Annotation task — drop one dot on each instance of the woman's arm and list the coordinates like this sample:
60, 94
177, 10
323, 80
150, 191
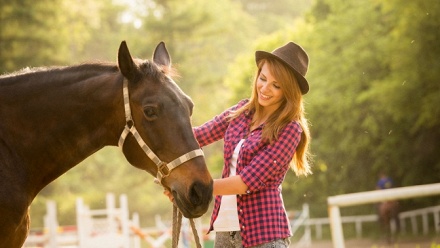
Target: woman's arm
233, 185
226, 186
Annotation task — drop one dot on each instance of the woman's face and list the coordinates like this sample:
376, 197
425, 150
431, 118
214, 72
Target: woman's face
270, 94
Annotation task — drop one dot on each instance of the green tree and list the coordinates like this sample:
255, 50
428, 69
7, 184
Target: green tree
28, 34
271, 16
373, 103
374, 100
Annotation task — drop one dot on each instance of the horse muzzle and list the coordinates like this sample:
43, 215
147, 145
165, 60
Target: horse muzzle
195, 202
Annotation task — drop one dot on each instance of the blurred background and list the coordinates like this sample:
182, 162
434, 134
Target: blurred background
373, 105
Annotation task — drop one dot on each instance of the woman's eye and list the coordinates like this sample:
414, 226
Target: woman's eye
277, 86
263, 79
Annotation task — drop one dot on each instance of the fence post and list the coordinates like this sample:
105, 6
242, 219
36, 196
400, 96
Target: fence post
135, 223
80, 222
336, 226
307, 230
436, 221
51, 224
123, 206
111, 215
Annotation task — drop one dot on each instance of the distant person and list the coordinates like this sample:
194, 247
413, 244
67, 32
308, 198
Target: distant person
388, 210
263, 136
384, 182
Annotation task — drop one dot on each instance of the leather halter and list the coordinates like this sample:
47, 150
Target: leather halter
163, 169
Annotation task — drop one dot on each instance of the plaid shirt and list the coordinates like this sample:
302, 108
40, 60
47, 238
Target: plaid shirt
262, 167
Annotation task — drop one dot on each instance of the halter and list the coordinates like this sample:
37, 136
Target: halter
163, 169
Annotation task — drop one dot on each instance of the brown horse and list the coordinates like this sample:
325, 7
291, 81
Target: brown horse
388, 211
53, 118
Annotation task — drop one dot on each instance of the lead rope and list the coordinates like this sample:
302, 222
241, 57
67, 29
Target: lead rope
177, 225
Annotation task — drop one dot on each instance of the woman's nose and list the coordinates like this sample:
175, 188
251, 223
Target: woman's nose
264, 87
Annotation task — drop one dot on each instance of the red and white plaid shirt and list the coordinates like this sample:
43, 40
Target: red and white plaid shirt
262, 167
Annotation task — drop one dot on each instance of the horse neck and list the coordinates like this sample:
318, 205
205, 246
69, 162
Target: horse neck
54, 124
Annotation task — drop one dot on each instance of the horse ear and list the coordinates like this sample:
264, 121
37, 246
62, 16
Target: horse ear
161, 55
125, 62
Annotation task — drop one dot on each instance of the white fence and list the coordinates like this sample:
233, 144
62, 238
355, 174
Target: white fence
413, 217
109, 227
424, 213
117, 220
302, 220
106, 228
346, 200
51, 236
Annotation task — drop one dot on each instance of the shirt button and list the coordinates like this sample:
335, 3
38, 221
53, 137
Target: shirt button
274, 161
242, 227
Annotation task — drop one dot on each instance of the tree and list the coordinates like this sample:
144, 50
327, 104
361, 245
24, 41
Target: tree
28, 34
366, 60
370, 92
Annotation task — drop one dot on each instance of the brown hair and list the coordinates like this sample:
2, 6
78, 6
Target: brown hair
291, 109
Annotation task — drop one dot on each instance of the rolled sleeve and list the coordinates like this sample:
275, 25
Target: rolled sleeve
214, 129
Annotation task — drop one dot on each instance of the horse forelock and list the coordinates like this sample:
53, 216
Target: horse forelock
154, 70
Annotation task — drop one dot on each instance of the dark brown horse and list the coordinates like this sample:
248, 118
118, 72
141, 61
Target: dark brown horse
388, 211
53, 118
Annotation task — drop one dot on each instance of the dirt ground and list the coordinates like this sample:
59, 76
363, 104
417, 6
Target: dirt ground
365, 243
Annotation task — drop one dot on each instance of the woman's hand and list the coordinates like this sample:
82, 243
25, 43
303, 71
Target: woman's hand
169, 194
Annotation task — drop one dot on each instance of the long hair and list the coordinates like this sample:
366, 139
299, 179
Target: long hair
291, 109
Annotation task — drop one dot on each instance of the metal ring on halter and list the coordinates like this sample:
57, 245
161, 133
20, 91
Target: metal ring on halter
163, 171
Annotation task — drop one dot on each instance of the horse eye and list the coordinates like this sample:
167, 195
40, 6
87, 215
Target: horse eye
150, 113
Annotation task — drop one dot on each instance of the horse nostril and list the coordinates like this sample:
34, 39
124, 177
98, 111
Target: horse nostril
196, 194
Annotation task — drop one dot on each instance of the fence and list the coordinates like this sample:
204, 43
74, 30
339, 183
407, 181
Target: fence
413, 217
52, 235
346, 200
109, 228
116, 219
106, 228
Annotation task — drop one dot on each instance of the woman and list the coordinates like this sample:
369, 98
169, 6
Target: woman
263, 136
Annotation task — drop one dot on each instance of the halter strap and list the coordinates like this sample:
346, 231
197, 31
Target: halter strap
164, 169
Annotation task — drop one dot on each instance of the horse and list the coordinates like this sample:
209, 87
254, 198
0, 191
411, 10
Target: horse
53, 118
388, 211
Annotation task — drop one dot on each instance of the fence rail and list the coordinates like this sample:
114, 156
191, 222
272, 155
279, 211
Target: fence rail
346, 200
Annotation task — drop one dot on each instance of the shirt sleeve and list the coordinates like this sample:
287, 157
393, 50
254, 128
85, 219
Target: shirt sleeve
214, 129
268, 167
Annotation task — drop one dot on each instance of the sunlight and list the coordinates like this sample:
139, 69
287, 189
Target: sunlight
135, 10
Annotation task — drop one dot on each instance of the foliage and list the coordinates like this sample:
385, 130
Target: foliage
372, 81
20, 47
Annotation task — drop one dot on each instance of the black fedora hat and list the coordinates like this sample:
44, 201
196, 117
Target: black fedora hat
294, 57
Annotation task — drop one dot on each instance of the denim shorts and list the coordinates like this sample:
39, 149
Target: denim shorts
233, 240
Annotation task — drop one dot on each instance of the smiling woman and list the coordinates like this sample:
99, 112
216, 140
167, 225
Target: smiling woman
263, 136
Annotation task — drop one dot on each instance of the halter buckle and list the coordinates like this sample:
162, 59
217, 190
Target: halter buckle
163, 170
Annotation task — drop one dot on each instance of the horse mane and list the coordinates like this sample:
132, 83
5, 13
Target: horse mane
82, 71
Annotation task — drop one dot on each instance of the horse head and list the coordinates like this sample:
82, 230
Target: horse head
161, 115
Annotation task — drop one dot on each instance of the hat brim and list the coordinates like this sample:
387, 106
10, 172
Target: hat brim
302, 81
